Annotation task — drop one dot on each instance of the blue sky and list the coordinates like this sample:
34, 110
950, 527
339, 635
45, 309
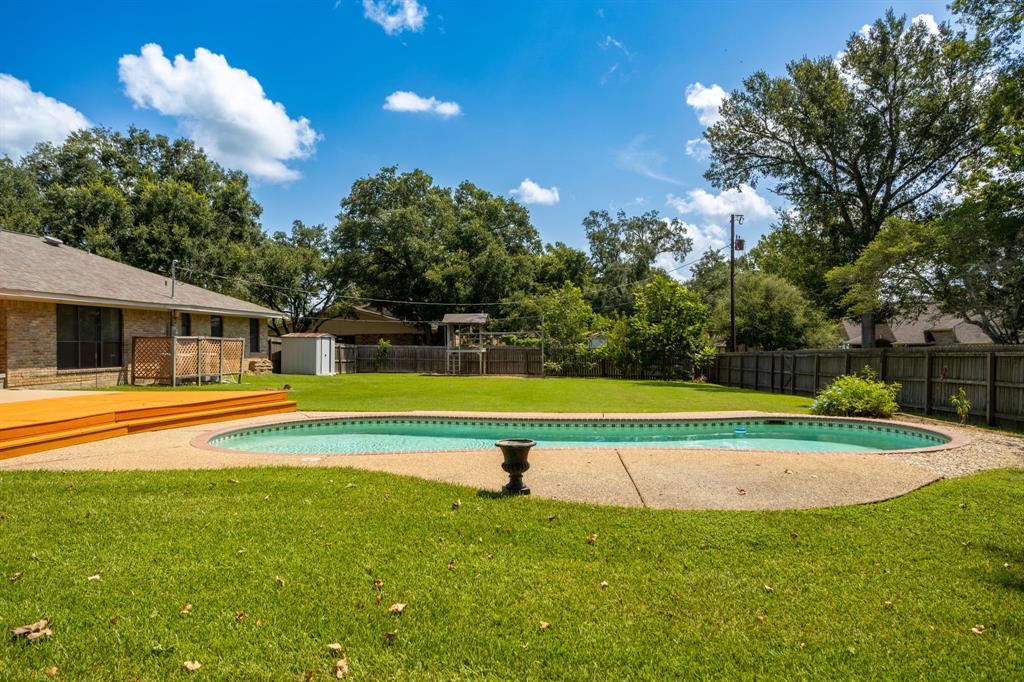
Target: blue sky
588, 98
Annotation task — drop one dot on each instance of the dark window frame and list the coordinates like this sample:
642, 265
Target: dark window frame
254, 335
217, 329
86, 337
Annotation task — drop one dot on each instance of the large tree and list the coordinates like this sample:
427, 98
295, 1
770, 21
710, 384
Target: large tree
402, 238
299, 275
854, 140
623, 250
139, 198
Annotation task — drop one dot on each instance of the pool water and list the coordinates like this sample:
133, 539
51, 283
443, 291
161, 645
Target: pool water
410, 434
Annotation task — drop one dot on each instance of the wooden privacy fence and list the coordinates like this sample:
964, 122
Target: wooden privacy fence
177, 359
992, 376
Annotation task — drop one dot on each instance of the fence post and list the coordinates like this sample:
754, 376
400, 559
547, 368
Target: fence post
990, 388
817, 371
847, 371
927, 381
220, 362
174, 361
883, 364
792, 373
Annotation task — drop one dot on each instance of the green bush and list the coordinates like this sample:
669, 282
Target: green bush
857, 395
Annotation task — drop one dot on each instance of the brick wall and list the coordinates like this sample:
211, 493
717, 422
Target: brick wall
28, 344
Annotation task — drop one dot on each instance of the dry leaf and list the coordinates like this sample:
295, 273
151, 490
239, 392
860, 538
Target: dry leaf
186, 609
239, 552
191, 666
41, 634
396, 608
232, 480
887, 604
544, 625
591, 539
25, 630
769, 589
113, 620
604, 584
241, 615
378, 583
978, 629
94, 577
456, 504
552, 517
490, 556
341, 668
451, 565
17, 576
335, 647
761, 619
741, 491
51, 671
391, 636
279, 580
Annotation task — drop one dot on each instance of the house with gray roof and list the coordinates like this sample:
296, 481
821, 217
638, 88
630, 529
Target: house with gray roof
68, 317
931, 328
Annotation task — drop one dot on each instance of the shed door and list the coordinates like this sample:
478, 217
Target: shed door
325, 356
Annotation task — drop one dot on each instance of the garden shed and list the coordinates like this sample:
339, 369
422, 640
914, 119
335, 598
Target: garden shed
307, 353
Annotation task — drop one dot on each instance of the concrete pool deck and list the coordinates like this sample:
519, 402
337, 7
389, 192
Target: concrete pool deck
632, 477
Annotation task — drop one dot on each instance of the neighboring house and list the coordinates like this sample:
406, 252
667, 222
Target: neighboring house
369, 326
931, 328
67, 317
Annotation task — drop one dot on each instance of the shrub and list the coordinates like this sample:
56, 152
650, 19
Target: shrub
962, 404
857, 395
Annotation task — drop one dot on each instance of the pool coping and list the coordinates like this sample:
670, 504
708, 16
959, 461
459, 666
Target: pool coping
957, 437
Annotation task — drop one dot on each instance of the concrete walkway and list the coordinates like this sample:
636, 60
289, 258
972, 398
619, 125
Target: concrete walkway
632, 477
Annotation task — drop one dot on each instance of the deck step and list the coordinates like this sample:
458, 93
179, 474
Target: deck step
224, 402
59, 439
205, 416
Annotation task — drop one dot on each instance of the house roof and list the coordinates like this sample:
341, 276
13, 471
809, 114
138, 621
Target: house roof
464, 318
931, 327
34, 269
305, 335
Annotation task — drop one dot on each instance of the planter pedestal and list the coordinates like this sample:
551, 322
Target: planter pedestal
515, 452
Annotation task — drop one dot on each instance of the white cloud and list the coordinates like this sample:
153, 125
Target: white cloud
610, 42
929, 23
223, 108
636, 158
706, 238
698, 148
404, 100
744, 200
529, 192
395, 16
28, 117
706, 101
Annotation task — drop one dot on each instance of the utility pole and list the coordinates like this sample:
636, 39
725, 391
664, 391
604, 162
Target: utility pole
733, 220
174, 275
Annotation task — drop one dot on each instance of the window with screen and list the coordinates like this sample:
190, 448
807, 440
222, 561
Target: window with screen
254, 335
216, 325
88, 337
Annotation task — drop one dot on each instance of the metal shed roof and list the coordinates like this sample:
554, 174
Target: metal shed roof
464, 318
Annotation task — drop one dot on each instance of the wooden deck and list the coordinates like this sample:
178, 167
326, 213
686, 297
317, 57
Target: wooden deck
36, 425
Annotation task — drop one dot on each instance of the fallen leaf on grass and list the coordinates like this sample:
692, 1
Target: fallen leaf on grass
94, 577
378, 583
239, 552
396, 608
233, 480
113, 620
887, 604
769, 589
240, 616
456, 504
591, 539
978, 629
51, 671
544, 625
341, 668
761, 619
33, 631
490, 556
279, 581
186, 609
604, 584
335, 647
17, 576
191, 666
391, 636
552, 517
451, 565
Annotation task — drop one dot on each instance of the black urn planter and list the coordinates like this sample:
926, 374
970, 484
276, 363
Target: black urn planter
515, 451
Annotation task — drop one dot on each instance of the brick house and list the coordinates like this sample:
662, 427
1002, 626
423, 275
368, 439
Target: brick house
67, 317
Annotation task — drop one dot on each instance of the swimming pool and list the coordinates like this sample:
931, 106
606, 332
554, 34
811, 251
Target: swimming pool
419, 434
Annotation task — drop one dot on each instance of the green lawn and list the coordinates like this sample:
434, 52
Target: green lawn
513, 394
731, 595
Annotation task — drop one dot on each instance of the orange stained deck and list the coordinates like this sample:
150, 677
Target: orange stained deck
36, 425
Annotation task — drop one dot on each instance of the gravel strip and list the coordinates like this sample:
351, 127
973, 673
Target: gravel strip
986, 450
